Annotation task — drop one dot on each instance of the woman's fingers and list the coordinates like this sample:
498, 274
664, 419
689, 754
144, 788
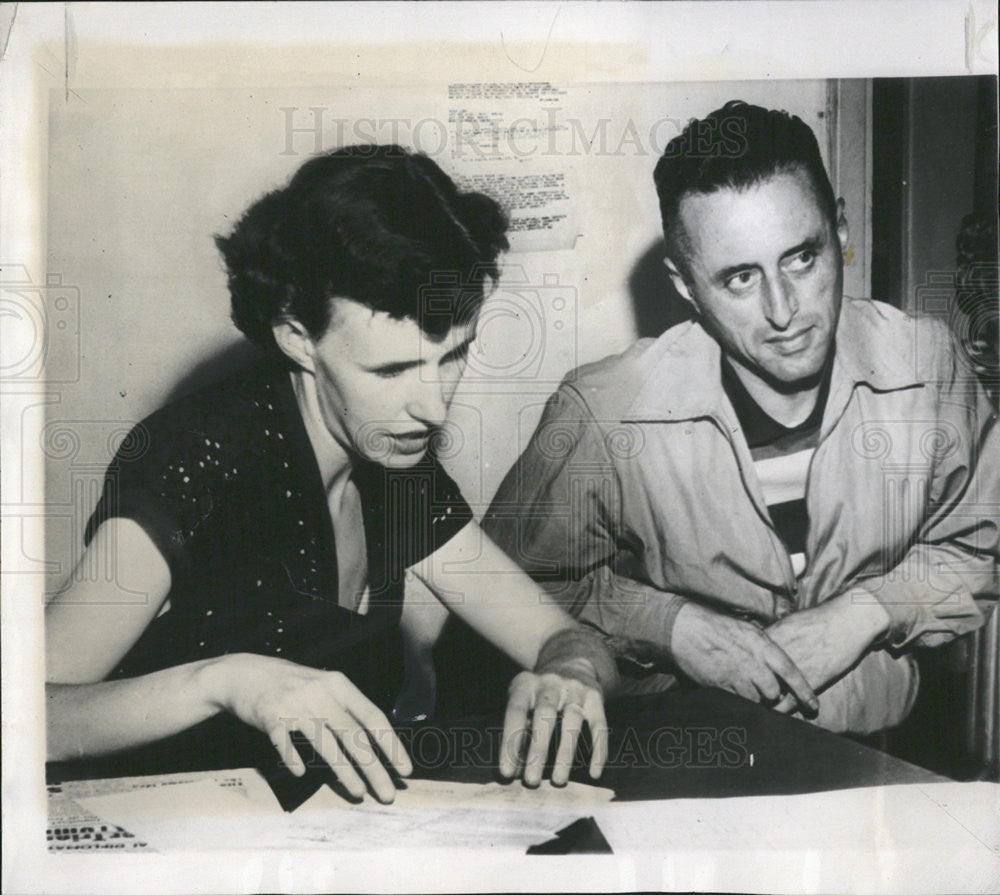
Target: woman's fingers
572, 725
515, 722
543, 725
552, 702
280, 738
358, 743
593, 709
344, 727
358, 758
331, 751
369, 716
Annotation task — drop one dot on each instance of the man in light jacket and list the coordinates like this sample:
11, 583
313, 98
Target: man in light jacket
794, 481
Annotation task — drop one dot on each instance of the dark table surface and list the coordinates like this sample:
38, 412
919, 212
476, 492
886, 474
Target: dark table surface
707, 743
685, 744
679, 744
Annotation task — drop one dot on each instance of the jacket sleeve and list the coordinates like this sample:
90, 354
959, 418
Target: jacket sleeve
558, 515
931, 594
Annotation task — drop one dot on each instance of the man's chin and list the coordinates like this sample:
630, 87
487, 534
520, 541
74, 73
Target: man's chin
799, 381
791, 382
792, 375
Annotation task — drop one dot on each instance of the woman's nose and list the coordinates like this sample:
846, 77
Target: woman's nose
430, 402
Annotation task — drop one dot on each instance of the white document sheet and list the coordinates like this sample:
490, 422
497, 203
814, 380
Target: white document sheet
192, 816
199, 812
436, 793
74, 827
431, 814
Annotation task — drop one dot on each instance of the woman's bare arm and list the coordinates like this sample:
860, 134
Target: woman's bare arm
91, 625
477, 581
572, 668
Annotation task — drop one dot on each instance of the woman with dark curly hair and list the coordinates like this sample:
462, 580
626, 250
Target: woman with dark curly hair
265, 523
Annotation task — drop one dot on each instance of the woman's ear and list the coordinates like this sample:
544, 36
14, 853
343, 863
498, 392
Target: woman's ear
295, 342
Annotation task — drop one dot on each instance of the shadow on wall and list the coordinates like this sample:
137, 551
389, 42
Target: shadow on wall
215, 367
656, 303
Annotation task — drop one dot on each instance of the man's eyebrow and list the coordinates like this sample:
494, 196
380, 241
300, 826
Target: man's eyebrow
814, 242
722, 275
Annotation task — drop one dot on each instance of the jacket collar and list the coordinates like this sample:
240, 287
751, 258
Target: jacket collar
684, 382
869, 351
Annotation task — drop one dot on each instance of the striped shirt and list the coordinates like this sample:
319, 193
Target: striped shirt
781, 457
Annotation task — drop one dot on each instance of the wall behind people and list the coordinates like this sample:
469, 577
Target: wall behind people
139, 180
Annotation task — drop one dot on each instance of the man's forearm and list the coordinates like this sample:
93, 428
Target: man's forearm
865, 615
875, 694
827, 640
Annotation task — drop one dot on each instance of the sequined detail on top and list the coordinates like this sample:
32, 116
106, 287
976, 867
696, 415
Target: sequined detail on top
228, 488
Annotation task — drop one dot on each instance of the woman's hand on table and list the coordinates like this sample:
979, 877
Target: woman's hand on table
351, 734
569, 693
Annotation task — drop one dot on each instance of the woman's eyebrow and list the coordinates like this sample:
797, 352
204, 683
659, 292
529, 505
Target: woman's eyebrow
400, 366
394, 366
459, 350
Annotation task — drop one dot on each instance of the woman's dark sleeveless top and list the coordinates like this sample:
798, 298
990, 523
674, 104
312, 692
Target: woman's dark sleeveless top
226, 484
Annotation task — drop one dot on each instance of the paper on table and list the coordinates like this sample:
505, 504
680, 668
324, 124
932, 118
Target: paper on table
437, 793
924, 837
433, 814
247, 782
191, 816
72, 827
200, 812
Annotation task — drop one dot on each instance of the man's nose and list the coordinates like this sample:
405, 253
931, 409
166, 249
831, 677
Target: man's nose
780, 303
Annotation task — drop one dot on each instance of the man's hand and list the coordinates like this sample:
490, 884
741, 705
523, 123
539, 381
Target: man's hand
716, 650
828, 639
343, 726
572, 691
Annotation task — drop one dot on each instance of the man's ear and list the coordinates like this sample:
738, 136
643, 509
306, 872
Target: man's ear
295, 342
843, 232
680, 284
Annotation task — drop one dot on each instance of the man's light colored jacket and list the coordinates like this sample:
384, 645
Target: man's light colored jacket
637, 490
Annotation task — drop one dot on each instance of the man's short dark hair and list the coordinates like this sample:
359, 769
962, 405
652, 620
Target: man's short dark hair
378, 224
734, 147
